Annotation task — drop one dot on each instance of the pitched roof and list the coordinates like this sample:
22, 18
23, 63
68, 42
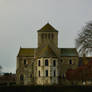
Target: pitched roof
68, 52
47, 28
47, 52
26, 52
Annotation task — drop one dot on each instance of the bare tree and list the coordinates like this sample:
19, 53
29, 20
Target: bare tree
84, 40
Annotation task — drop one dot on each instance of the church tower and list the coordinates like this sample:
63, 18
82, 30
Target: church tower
47, 35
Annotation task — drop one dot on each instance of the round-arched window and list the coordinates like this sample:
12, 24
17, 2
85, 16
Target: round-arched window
49, 36
44, 36
21, 77
46, 62
70, 61
52, 36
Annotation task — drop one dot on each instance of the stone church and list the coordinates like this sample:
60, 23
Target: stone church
47, 64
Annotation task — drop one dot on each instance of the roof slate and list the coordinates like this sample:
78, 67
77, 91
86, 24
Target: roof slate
26, 52
68, 52
47, 28
47, 52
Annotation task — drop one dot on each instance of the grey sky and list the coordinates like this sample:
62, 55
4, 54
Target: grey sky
20, 20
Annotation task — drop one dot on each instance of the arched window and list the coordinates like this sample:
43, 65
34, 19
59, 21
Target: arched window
70, 61
46, 72
52, 36
49, 36
45, 36
61, 60
39, 73
42, 36
30, 75
54, 63
46, 62
21, 77
54, 73
63, 76
25, 62
39, 63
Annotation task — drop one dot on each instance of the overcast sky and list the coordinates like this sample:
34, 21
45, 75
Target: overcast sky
20, 20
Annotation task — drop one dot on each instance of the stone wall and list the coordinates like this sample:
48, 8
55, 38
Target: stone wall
26, 70
42, 41
43, 80
65, 65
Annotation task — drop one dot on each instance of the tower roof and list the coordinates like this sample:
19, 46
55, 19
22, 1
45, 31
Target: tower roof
47, 28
